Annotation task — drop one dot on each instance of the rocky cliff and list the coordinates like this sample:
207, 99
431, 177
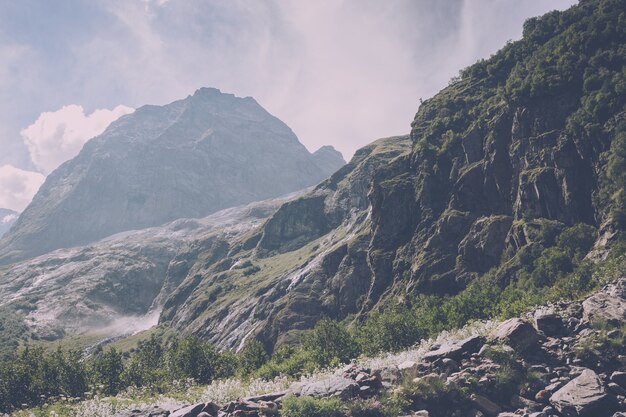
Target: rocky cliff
186, 159
518, 148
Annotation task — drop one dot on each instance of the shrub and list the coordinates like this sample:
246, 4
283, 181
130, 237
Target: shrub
330, 343
311, 407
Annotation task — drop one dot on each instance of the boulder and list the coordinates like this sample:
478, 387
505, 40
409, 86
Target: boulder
330, 387
485, 405
619, 378
583, 396
455, 349
548, 322
604, 306
154, 411
517, 333
189, 411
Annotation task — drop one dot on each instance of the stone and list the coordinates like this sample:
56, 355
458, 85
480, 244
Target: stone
330, 387
543, 396
455, 349
583, 396
147, 412
407, 365
604, 307
189, 411
485, 405
548, 322
619, 378
616, 389
517, 333
450, 365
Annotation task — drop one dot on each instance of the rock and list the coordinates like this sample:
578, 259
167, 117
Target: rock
485, 405
604, 306
616, 389
273, 396
189, 411
147, 412
407, 365
455, 349
331, 387
517, 333
584, 396
543, 396
548, 322
450, 365
619, 378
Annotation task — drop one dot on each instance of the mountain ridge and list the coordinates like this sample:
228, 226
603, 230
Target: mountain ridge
186, 159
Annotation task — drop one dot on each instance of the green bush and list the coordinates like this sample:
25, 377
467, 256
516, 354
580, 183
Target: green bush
311, 407
252, 357
330, 343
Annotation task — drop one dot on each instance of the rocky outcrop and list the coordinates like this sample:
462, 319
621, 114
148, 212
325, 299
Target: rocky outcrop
187, 159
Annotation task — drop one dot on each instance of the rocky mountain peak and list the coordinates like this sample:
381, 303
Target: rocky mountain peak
189, 158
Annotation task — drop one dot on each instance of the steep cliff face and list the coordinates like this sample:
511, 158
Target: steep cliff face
309, 259
187, 159
518, 140
528, 141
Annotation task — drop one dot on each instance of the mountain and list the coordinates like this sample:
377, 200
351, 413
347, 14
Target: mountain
186, 159
514, 172
7, 218
115, 286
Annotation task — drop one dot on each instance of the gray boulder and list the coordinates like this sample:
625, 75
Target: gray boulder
517, 333
604, 306
548, 322
583, 396
332, 387
455, 349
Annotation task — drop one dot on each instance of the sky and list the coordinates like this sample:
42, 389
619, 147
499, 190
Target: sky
338, 72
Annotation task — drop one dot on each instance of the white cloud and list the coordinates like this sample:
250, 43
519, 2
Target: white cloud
8, 218
17, 187
58, 136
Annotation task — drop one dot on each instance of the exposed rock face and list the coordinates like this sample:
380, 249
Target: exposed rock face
186, 159
7, 218
308, 260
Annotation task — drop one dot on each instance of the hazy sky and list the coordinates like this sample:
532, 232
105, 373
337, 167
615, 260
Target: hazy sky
339, 72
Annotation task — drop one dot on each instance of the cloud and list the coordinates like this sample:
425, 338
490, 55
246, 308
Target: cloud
340, 72
8, 218
17, 187
58, 136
